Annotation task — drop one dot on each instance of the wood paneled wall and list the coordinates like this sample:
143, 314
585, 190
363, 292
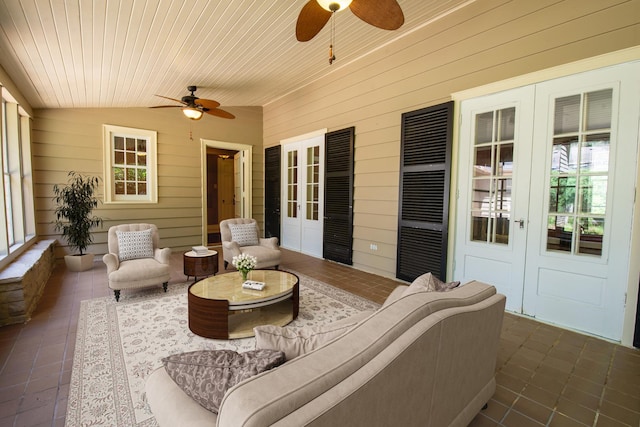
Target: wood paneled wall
484, 42
71, 139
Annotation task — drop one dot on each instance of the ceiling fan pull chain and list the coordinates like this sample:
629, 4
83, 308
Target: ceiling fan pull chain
332, 57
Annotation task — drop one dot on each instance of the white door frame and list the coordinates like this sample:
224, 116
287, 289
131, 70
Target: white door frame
246, 205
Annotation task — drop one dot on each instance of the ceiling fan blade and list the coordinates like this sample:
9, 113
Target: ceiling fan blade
385, 14
167, 106
220, 113
172, 99
207, 103
311, 20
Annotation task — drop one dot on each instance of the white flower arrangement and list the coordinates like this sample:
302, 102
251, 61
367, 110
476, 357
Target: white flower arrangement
244, 263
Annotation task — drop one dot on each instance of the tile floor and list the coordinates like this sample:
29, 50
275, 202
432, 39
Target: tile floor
546, 376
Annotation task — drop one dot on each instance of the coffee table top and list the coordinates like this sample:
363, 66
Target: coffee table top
229, 286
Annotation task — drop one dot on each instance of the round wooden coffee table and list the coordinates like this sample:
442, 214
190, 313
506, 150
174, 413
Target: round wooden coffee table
219, 307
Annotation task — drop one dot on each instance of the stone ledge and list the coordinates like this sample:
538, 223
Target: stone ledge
22, 282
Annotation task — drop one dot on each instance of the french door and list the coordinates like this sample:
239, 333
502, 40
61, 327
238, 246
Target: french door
303, 195
545, 209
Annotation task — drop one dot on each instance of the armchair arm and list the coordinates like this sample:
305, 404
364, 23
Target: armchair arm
112, 262
162, 255
231, 248
270, 242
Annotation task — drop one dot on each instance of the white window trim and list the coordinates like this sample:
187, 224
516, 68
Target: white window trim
109, 131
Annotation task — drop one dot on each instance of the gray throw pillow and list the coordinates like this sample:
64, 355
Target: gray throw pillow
206, 375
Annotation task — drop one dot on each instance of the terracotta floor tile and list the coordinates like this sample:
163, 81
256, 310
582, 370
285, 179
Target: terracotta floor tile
533, 410
516, 419
560, 420
575, 411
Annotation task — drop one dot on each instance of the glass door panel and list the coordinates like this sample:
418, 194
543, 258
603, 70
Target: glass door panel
579, 173
492, 171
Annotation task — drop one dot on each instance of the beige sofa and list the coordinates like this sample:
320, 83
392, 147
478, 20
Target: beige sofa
425, 359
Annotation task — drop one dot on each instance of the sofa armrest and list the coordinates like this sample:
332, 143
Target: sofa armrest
269, 242
112, 262
162, 255
231, 249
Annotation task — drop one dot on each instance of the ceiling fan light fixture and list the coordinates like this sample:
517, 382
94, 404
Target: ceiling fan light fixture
192, 113
334, 5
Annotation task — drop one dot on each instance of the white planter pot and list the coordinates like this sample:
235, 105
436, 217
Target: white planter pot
79, 262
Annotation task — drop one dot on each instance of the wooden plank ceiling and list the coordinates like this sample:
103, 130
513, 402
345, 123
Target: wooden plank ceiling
119, 53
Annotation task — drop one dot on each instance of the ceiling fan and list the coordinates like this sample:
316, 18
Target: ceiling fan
385, 14
193, 107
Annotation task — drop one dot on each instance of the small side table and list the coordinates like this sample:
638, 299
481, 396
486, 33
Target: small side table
200, 265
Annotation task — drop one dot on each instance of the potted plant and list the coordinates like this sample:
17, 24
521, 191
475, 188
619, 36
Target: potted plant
74, 203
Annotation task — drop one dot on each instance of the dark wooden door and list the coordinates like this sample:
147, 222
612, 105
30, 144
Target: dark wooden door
425, 170
272, 192
338, 199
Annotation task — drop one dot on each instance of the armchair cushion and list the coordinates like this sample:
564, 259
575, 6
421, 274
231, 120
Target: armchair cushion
135, 244
206, 375
244, 234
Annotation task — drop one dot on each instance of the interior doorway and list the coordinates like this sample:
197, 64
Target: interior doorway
221, 191
226, 189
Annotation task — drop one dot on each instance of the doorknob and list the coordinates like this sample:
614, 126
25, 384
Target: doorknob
521, 222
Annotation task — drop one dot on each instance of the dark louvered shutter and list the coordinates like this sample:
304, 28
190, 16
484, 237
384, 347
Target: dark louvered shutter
425, 171
338, 198
272, 192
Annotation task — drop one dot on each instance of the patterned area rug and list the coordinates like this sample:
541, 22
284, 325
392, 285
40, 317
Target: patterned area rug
119, 344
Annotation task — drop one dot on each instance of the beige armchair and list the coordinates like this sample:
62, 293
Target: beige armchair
134, 259
241, 235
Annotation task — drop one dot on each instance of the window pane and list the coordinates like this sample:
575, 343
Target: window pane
484, 128
142, 188
118, 157
599, 109
564, 156
507, 124
591, 233
482, 164
479, 226
481, 196
503, 194
131, 158
567, 114
505, 160
595, 154
562, 194
502, 229
593, 194
119, 189
559, 233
